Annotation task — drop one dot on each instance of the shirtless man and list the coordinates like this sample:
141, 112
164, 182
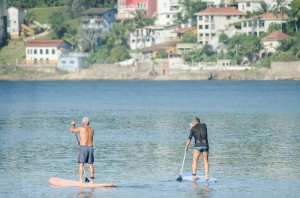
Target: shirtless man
199, 132
86, 150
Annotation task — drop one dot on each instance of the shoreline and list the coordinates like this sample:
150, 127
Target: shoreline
90, 74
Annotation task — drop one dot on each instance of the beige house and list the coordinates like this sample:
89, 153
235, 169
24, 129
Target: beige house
259, 24
45, 51
15, 18
272, 41
212, 21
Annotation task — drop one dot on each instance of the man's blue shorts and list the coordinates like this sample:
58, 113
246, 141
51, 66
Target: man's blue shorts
86, 154
202, 148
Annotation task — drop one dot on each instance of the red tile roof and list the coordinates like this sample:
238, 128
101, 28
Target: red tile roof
270, 16
221, 11
276, 36
184, 30
44, 43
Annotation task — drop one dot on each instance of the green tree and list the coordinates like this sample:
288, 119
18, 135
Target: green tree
223, 38
29, 18
118, 53
189, 37
100, 54
264, 8
141, 20
59, 28
279, 9
190, 7
162, 54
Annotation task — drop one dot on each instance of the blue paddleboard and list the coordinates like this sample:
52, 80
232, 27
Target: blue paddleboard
200, 179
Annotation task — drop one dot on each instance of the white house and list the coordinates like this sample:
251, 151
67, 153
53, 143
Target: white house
45, 51
217, 3
272, 41
151, 35
73, 62
15, 17
259, 24
249, 5
3, 21
212, 21
166, 12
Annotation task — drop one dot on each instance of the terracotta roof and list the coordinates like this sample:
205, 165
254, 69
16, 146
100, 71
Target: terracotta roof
44, 43
97, 10
184, 30
221, 11
270, 16
276, 36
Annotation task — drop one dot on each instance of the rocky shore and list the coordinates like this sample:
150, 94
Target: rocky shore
260, 74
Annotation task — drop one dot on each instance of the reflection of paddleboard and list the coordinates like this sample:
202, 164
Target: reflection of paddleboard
55, 181
200, 179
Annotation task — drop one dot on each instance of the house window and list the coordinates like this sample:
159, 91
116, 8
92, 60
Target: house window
41, 51
72, 62
132, 41
35, 51
47, 60
207, 35
228, 17
28, 51
206, 27
200, 18
35, 61
200, 27
213, 34
41, 61
63, 62
201, 34
47, 51
53, 51
245, 23
248, 4
168, 16
212, 27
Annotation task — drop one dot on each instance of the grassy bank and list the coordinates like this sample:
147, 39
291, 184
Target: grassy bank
12, 52
43, 14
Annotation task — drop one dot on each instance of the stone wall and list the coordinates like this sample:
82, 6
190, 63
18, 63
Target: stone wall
285, 66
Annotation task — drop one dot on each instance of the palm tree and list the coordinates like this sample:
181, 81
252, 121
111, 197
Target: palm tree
264, 8
294, 16
141, 20
280, 8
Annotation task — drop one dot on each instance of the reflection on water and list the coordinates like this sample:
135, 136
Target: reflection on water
139, 138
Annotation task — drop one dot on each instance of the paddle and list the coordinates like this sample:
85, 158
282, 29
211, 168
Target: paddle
180, 178
86, 179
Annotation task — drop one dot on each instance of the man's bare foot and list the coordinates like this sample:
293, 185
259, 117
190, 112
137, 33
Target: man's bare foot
206, 178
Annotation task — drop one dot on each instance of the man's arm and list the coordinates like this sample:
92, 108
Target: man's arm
73, 129
188, 141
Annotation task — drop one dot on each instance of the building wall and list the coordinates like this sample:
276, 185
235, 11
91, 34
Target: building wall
249, 6
14, 20
3, 20
257, 27
166, 11
42, 55
208, 26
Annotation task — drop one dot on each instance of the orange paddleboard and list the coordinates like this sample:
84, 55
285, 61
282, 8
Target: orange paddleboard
55, 181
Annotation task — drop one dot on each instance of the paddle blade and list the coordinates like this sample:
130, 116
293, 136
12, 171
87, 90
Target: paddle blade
86, 180
179, 178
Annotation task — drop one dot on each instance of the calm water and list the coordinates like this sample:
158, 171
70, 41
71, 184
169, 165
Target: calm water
140, 133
